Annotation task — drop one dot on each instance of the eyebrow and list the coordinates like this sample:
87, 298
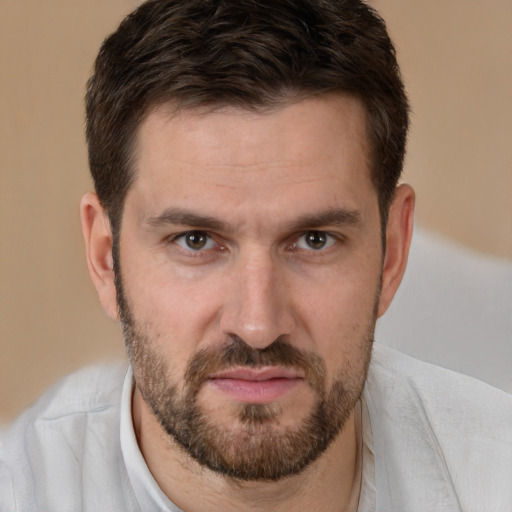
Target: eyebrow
183, 217
330, 217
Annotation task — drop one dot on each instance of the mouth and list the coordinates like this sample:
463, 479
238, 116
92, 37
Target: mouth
256, 385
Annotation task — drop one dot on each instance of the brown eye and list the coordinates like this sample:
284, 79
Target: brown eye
316, 239
195, 241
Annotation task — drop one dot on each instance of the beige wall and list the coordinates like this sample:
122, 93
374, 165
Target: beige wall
457, 61
456, 57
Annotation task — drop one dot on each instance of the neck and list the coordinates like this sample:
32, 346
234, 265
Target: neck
330, 483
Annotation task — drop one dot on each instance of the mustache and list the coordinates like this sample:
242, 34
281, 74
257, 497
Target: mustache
237, 352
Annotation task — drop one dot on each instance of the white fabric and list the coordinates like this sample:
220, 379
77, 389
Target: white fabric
433, 440
453, 309
442, 441
148, 494
63, 454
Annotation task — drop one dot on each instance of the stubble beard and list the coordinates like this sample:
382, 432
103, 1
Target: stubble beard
255, 448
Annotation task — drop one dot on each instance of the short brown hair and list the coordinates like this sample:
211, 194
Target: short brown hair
253, 54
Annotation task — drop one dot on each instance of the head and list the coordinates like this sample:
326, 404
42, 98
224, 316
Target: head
247, 227
252, 54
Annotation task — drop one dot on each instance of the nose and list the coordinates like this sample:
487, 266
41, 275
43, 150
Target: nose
257, 308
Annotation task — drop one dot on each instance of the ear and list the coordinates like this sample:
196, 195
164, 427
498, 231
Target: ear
98, 247
398, 240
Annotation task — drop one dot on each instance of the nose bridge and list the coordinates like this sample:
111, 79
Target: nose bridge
257, 310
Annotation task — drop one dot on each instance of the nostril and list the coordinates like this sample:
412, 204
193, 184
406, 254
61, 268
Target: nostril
256, 308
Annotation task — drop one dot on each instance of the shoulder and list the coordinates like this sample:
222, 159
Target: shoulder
88, 391
443, 390
458, 427
73, 425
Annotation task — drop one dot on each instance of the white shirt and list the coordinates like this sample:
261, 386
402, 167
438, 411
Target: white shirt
432, 440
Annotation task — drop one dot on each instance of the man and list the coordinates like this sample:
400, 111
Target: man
247, 230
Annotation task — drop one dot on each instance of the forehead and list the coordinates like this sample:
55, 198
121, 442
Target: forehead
318, 145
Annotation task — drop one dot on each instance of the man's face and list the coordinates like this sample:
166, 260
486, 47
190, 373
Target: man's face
250, 262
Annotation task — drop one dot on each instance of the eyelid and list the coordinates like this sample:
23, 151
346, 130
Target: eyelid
297, 241
331, 240
179, 240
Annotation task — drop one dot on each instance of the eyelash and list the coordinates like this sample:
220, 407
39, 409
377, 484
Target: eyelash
189, 250
331, 240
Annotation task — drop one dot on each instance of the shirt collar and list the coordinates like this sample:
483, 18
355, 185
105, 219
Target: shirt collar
147, 492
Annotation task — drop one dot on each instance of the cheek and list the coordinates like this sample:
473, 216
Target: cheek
340, 316
174, 313
343, 298
174, 309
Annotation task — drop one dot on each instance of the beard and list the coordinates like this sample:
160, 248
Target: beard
254, 447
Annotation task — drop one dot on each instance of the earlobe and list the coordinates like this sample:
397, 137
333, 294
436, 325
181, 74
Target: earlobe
98, 246
398, 240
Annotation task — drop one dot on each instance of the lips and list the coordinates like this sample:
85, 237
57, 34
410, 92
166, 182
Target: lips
256, 385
